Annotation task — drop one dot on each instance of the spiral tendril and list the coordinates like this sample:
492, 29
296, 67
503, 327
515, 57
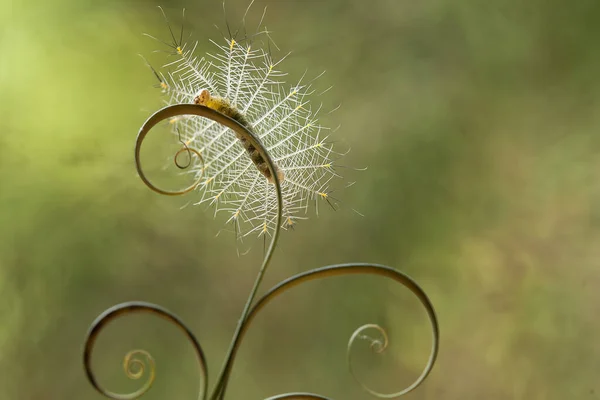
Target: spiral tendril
189, 151
378, 346
251, 308
131, 361
189, 160
349, 269
185, 148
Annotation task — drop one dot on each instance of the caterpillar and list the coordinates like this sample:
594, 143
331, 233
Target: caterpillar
223, 106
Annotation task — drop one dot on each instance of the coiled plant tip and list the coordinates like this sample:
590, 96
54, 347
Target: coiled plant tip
130, 360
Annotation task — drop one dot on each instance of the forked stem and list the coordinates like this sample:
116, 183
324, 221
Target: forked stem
251, 308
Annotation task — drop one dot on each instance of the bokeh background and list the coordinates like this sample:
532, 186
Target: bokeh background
477, 121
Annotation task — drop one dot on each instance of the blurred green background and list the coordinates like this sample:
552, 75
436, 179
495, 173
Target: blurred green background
479, 126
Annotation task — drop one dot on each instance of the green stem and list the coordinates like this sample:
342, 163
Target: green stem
241, 131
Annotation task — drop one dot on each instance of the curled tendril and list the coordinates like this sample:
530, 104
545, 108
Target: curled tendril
379, 346
150, 123
250, 311
133, 366
350, 269
189, 151
130, 362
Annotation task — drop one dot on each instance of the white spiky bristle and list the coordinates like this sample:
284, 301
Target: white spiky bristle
282, 118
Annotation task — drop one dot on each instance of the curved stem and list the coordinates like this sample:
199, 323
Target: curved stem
348, 269
242, 132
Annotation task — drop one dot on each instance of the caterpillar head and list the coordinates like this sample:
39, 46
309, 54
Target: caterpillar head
202, 98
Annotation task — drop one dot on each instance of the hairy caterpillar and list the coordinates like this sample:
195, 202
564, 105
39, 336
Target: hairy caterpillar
223, 106
242, 80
